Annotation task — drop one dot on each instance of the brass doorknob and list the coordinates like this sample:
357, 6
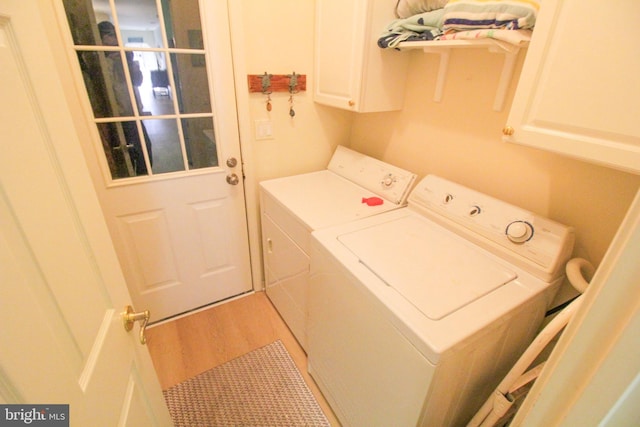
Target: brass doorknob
508, 131
129, 317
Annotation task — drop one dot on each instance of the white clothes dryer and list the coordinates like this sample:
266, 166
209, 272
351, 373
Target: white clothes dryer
415, 315
353, 186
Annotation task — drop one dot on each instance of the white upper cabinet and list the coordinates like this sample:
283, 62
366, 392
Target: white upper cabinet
579, 91
351, 71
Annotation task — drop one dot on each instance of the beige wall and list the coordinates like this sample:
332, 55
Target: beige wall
458, 138
278, 39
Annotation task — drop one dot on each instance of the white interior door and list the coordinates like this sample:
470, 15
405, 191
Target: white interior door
174, 204
62, 339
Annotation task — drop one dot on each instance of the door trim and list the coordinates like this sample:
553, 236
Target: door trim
246, 143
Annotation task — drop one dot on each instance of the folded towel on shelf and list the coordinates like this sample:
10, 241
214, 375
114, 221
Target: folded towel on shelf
514, 37
510, 21
407, 8
420, 27
462, 15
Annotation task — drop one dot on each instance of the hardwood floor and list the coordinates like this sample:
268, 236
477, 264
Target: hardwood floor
187, 346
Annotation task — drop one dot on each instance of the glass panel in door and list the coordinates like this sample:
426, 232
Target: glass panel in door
145, 72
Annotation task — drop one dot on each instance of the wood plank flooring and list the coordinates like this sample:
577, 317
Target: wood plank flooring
190, 345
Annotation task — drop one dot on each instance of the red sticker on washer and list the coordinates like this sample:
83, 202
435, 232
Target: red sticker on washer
372, 201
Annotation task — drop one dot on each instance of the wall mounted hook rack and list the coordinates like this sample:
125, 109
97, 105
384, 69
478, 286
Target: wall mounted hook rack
277, 82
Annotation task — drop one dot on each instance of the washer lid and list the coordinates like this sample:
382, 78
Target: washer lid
321, 199
433, 269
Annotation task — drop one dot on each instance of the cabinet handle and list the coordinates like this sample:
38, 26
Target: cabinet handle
270, 246
508, 131
352, 103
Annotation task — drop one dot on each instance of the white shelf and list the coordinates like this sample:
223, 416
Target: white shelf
444, 47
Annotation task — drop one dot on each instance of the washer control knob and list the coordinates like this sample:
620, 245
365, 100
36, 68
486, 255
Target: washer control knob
388, 181
475, 210
519, 231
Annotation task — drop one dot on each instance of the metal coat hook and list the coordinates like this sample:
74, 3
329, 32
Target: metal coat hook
293, 82
266, 85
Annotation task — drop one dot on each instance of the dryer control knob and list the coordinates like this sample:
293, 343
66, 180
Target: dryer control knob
388, 181
475, 210
519, 231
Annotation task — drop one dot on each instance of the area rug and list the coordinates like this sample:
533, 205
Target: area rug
261, 388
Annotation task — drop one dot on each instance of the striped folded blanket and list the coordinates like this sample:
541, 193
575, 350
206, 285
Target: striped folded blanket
460, 15
513, 37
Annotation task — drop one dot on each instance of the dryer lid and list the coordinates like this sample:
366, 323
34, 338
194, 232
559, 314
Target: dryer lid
433, 269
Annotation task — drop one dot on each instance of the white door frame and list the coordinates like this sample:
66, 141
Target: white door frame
246, 142
593, 375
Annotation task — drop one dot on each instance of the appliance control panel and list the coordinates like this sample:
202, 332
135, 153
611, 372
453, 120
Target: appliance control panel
383, 179
536, 243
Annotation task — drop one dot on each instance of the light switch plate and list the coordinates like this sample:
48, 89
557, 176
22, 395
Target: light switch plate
264, 129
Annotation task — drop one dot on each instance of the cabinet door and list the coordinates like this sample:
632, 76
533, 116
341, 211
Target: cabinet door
579, 91
337, 57
351, 71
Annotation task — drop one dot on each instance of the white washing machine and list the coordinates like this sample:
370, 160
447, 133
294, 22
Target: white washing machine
415, 315
353, 186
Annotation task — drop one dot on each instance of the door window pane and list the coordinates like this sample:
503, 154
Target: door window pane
138, 18
182, 23
191, 81
150, 99
106, 83
121, 142
165, 143
200, 142
82, 21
